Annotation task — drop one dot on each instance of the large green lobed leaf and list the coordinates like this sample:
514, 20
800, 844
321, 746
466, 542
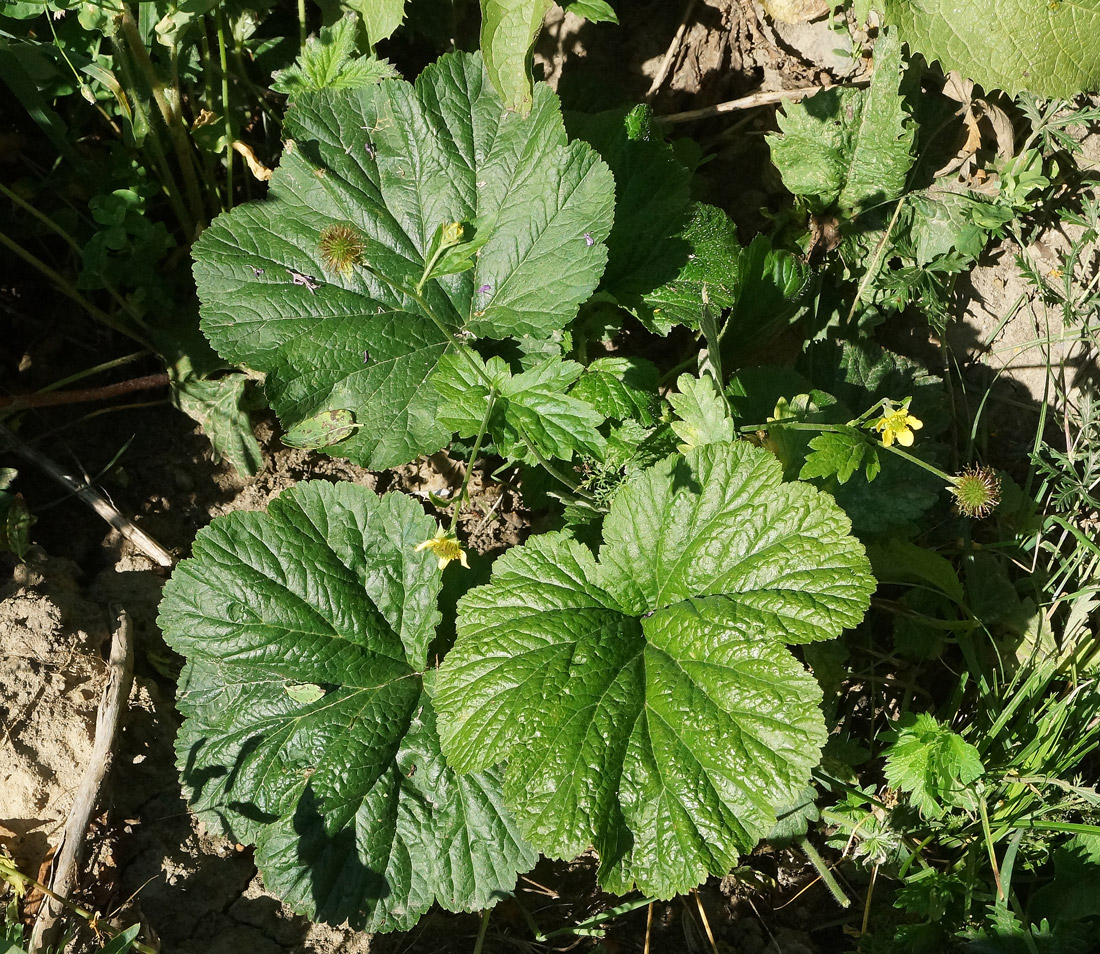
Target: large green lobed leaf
393, 162
309, 722
646, 700
1046, 46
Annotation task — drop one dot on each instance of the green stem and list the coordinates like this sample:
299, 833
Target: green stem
99, 368
482, 931
470, 463
946, 478
172, 119
479, 372
989, 847
301, 25
151, 144
823, 871
11, 874
847, 429
230, 132
573, 485
66, 288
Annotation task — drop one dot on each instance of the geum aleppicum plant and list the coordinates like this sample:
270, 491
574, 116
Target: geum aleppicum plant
840, 450
639, 696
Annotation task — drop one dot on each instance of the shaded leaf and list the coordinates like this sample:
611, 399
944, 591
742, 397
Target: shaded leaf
341, 787
652, 203
220, 406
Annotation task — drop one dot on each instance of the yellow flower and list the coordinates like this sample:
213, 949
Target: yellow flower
898, 426
445, 546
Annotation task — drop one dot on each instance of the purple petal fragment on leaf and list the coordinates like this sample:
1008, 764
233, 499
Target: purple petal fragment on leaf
588, 240
485, 289
366, 357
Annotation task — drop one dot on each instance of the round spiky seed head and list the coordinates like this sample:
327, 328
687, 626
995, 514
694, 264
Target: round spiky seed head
341, 247
977, 491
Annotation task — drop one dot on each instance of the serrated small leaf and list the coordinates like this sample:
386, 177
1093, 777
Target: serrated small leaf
932, 763
387, 165
380, 17
329, 62
703, 414
646, 700
620, 388
309, 726
1046, 46
530, 409
220, 407
845, 147
840, 454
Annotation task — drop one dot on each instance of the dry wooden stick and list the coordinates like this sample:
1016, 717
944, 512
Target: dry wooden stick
138, 537
670, 54
752, 100
47, 398
120, 676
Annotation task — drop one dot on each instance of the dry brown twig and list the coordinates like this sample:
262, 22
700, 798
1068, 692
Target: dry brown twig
120, 676
753, 100
670, 53
124, 525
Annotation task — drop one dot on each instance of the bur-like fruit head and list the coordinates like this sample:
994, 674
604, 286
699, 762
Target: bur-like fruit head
341, 247
977, 491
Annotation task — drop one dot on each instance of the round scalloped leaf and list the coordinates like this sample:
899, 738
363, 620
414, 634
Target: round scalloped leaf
316, 286
1046, 46
309, 725
647, 701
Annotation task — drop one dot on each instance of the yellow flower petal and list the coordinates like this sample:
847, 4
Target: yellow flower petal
446, 547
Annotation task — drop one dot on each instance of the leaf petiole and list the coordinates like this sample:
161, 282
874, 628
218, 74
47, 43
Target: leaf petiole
461, 499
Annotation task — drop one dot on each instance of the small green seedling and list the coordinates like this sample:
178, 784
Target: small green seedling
305, 692
321, 430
